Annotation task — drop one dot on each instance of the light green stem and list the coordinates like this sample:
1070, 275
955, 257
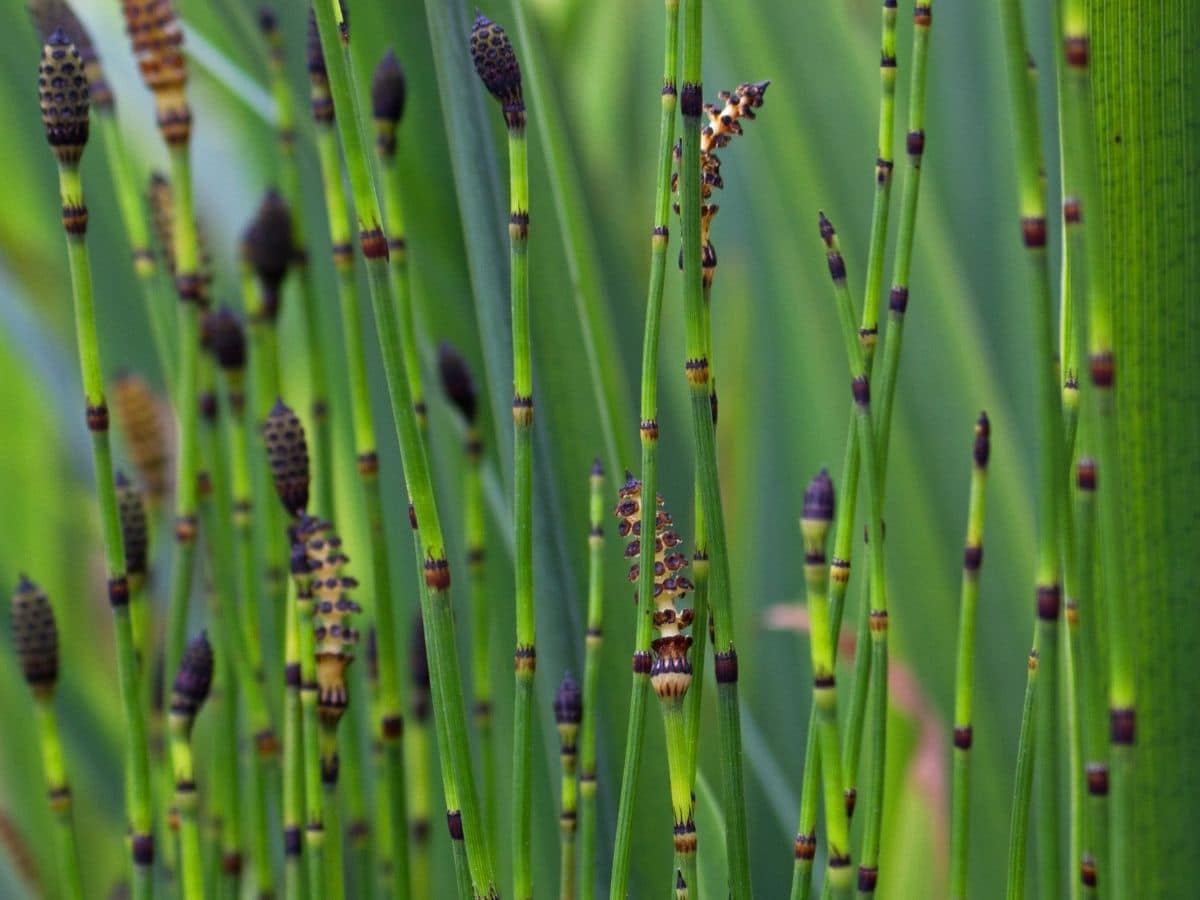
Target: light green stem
591, 686
1018, 839
58, 788
186, 801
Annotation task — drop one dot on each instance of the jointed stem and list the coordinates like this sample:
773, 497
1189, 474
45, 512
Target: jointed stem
58, 789
591, 684
1023, 786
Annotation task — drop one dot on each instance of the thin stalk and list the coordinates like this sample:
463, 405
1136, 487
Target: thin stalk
591, 686
394, 876
481, 652
964, 686
137, 755
1051, 470
1018, 839
878, 617
226, 783
814, 525
568, 714
190, 855
725, 652
314, 795
416, 751
649, 431
450, 714
293, 756
334, 850
1091, 685
58, 789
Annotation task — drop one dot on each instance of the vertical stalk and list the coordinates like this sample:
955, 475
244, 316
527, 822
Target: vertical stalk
416, 750
450, 715
1018, 839
568, 713
724, 649
65, 117
314, 792
392, 847
649, 431
964, 688
591, 686
192, 683
293, 754
58, 789
1051, 471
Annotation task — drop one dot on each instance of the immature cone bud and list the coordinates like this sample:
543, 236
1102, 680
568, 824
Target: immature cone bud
287, 456
35, 637
388, 93
818, 511
457, 381
134, 530
63, 95
568, 703
497, 66
983, 440
194, 678
226, 339
267, 244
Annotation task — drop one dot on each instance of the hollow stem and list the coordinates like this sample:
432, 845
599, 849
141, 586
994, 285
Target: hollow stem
481, 652
591, 686
649, 430
1018, 839
293, 756
310, 733
58, 789
186, 802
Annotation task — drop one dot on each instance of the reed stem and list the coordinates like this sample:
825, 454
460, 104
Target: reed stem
58, 789
964, 689
649, 432
1018, 839
190, 691
720, 599
568, 714
591, 685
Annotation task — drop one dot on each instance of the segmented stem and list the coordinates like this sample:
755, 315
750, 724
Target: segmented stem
1018, 838
591, 686
58, 790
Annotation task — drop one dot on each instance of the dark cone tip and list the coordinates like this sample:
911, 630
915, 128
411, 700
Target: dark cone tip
267, 240
597, 468
827, 230
983, 440
388, 89
457, 381
268, 21
568, 702
34, 634
194, 679
226, 338
818, 497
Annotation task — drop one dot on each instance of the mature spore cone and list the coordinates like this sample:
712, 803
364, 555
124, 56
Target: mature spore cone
671, 670
63, 95
287, 456
157, 43
457, 381
50, 15
268, 248
497, 66
194, 678
35, 636
226, 338
332, 607
135, 533
140, 421
388, 93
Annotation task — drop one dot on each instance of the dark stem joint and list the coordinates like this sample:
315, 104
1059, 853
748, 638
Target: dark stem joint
330, 766
1033, 231
595, 631
97, 417
814, 558
1097, 779
143, 849
726, 665
824, 682
185, 529
922, 15
397, 243
483, 710
898, 299
838, 860
1087, 870
914, 142
837, 265
1049, 602
525, 658
1072, 212
879, 620
437, 574
973, 557
690, 102
291, 841
291, 675
1123, 723
641, 662
668, 89
860, 387
475, 556
1103, 368
962, 736
392, 727
660, 231
368, 463
1077, 48
805, 847
649, 429
374, 244
190, 287
75, 219
231, 862
887, 62
867, 878
118, 591
851, 797
454, 824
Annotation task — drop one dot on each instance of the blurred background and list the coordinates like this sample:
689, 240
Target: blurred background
778, 359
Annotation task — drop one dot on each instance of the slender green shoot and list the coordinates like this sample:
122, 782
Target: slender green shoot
191, 689
568, 713
1018, 839
591, 686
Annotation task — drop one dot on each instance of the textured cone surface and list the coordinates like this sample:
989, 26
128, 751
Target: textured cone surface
194, 678
568, 702
818, 497
287, 455
157, 43
226, 338
457, 381
49, 15
35, 635
388, 89
141, 425
63, 96
268, 241
134, 529
496, 63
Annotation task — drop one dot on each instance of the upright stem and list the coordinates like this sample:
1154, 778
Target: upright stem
481, 644
649, 430
450, 714
591, 686
137, 753
293, 755
724, 649
1018, 839
58, 789
314, 793
190, 856
964, 689
392, 848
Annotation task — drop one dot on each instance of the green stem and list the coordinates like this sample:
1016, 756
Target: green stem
649, 429
401, 286
1018, 839
591, 687
190, 856
58, 789
481, 644
450, 717
964, 687
737, 839
314, 807
293, 756
334, 850
137, 754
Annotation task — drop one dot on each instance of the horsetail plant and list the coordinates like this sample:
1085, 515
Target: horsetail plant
192, 683
459, 387
1051, 471
63, 96
568, 713
392, 846
878, 617
463, 813
35, 639
1018, 838
697, 373
135, 537
497, 66
648, 430
815, 518
670, 669
139, 418
591, 686
965, 674
416, 750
